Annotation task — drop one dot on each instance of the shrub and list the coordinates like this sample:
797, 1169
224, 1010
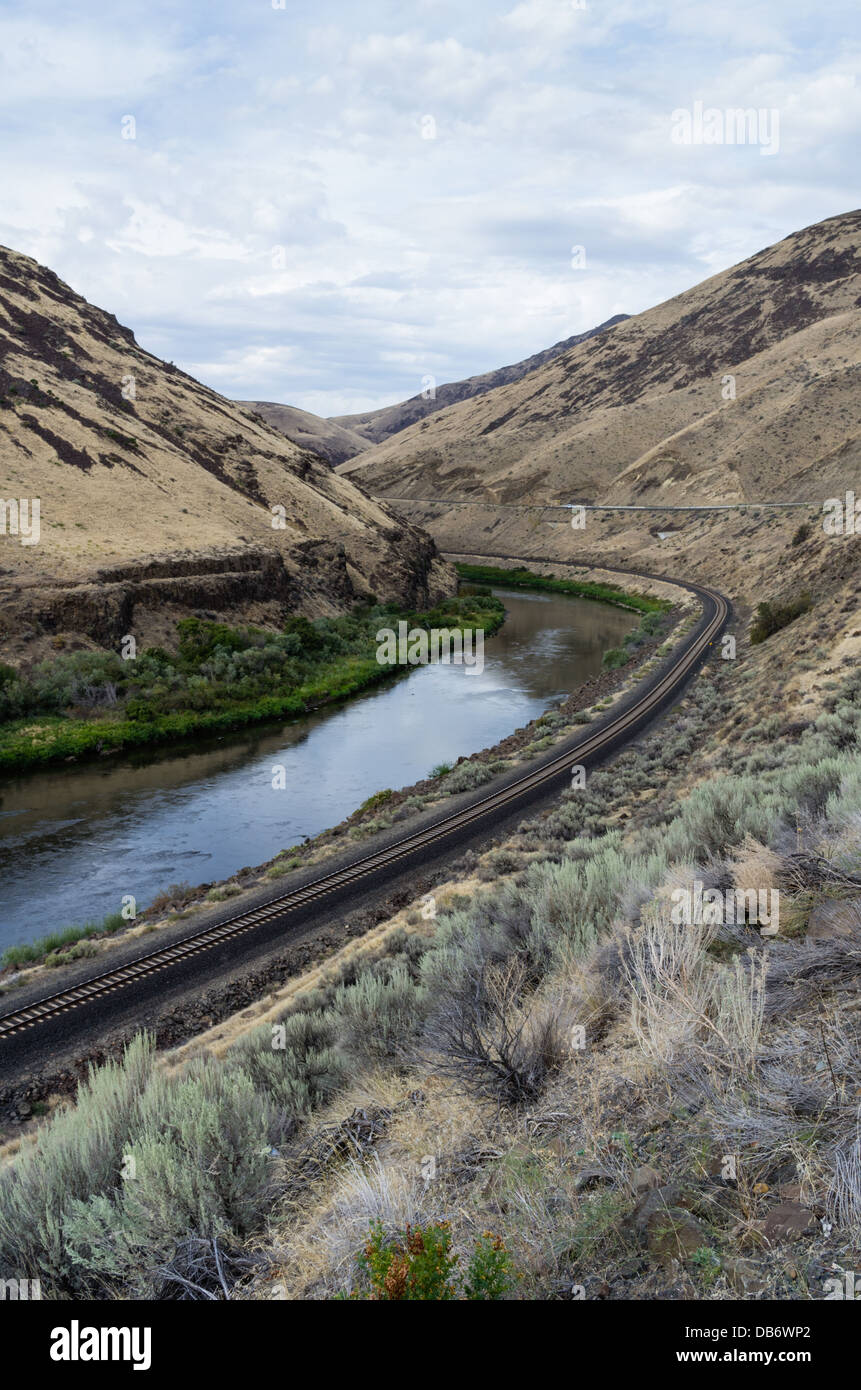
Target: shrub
79, 1153
574, 903
201, 1151
298, 1077
502, 861
197, 1166
718, 815
376, 1015
482, 1031
199, 639
490, 1274
771, 617
170, 897
467, 776
378, 799
419, 1265
141, 711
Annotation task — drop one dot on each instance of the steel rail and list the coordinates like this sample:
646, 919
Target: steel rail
40, 1011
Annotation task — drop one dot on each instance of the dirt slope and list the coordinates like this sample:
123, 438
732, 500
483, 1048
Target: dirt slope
645, 413
157, 494
324, 437
377, 425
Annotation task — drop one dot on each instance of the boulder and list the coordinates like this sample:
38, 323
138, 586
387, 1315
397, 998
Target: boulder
645, 1178
674, 1234
788, 1221
746, 1276
656, 1199
593, 1175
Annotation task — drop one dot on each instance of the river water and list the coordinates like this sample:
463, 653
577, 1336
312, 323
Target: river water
75, 839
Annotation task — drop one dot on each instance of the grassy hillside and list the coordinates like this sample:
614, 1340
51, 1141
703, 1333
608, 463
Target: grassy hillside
628, 1105
739, 389
159, 498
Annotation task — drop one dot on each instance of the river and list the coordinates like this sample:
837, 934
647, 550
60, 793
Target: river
75, 839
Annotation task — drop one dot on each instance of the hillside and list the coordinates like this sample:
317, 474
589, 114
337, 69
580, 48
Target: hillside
644, 413
157, 494
324, 437
527, 1054
549, 1055
377, 425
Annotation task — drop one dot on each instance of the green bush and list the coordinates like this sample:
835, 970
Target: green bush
201, 1151
199, 639
718, 815
771, 617
221, 678
80, 1153
378, 799
197, 1165
419, 1265
302, 1075
376, 1016
467, 776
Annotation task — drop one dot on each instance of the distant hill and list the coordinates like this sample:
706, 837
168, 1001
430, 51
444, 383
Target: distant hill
376, 425
324, 437
343, 437
744, 387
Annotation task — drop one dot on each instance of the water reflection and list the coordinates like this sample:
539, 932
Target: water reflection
73, 840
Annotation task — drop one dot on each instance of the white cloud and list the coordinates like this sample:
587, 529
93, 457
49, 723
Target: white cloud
260, 129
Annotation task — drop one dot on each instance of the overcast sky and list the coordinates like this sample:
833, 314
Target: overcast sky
282, 227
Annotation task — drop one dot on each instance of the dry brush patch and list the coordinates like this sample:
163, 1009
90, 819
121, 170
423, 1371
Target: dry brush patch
556, 1059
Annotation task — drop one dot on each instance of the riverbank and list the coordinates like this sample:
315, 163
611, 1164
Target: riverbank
520, 578
137, 720
586, 701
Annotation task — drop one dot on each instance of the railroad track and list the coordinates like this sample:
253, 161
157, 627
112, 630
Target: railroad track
588, 746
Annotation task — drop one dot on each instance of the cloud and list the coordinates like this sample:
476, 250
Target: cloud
322, 213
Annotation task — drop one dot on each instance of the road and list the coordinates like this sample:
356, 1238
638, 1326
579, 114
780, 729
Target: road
597, 507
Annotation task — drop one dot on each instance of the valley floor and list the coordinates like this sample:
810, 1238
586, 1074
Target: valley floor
634, 1105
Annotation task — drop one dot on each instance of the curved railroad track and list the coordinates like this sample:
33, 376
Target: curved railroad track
588, 746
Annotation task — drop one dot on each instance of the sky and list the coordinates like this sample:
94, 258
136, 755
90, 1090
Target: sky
327, 203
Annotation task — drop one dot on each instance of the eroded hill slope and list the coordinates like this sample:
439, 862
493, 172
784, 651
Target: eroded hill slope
158, 496
744, 387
